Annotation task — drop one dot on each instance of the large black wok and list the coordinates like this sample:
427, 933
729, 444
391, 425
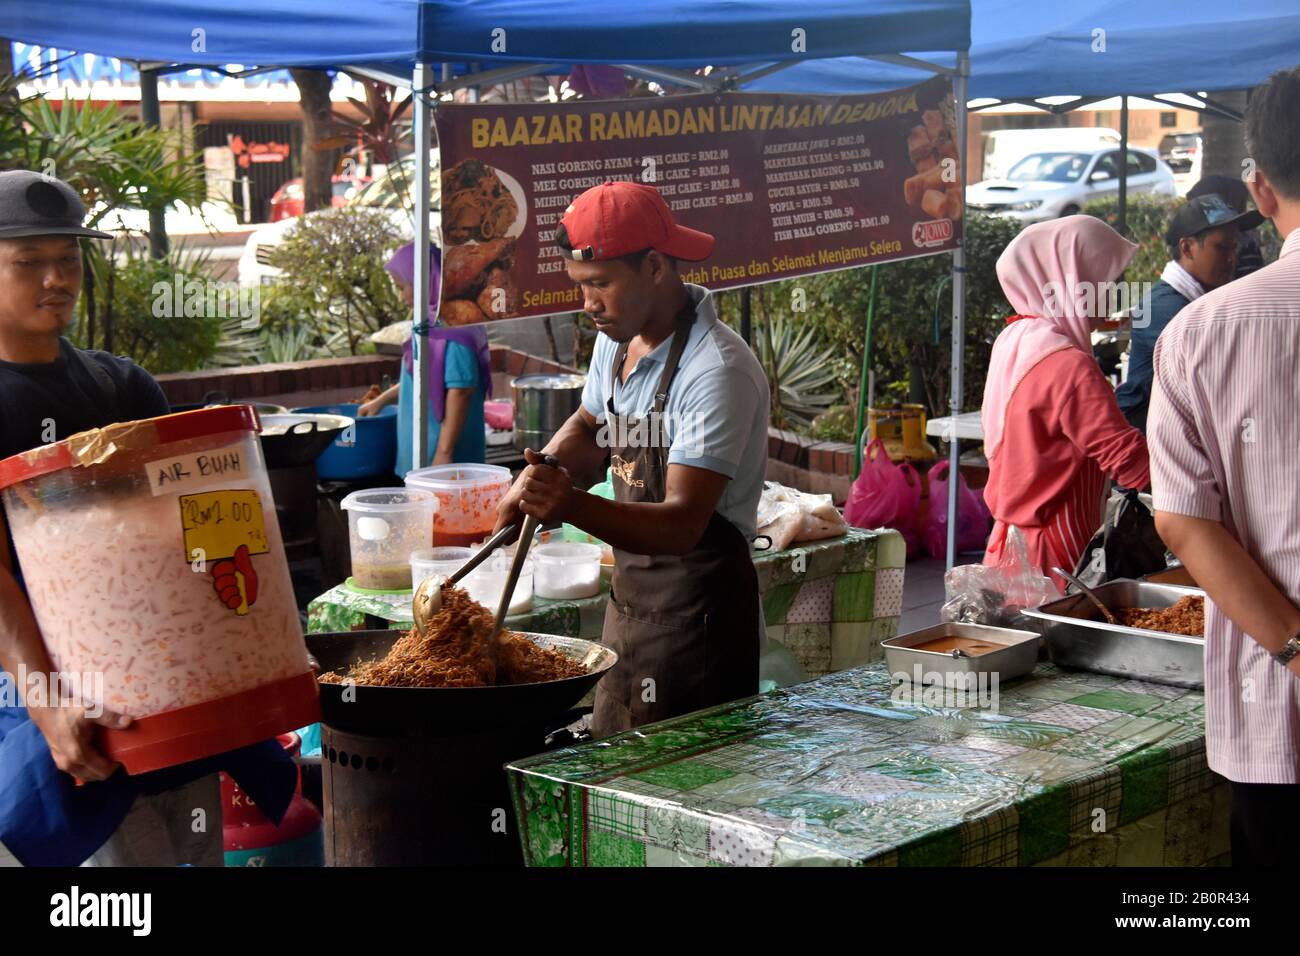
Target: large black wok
293, 440
379, 710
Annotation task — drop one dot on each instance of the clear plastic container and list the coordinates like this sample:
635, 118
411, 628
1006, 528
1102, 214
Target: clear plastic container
468, 496
384, 526
566, 570
154, 565
486, 582
426, 562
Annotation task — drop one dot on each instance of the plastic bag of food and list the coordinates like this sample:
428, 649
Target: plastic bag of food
885, 495
1127, 544
996, 594
973, 516
787, 515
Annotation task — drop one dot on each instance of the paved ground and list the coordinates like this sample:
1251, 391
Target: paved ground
923, 593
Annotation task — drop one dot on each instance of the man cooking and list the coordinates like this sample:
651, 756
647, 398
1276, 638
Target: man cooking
679, 404
50, 390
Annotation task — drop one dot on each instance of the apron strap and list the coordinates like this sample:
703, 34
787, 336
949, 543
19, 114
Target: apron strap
680, 334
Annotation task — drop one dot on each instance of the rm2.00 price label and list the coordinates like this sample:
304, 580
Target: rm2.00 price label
216, 523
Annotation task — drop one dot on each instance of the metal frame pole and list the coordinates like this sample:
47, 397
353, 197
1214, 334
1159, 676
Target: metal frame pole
151, 114
960, 84
1121, 226
421, 83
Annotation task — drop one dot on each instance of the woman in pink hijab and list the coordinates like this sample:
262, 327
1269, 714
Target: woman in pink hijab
1053, 429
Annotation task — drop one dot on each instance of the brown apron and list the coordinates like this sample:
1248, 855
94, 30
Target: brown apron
686, 628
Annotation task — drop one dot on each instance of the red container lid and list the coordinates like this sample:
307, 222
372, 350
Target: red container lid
178, 426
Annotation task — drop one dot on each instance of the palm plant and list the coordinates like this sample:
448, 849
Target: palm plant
800, 371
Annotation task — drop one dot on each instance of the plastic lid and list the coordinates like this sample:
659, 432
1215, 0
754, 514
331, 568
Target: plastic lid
390, 500
84, 447
453, 477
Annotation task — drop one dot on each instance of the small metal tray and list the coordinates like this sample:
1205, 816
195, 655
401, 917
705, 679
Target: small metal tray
1077, 635
906, 660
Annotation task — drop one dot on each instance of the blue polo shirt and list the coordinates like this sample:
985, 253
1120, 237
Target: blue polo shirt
717, 411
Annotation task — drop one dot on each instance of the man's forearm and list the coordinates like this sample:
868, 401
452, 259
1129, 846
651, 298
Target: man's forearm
1231, 577
641, 527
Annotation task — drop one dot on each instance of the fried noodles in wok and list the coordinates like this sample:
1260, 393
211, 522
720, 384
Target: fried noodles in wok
455, 654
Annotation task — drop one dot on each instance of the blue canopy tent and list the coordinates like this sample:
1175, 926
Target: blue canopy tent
401, 40
1022, 51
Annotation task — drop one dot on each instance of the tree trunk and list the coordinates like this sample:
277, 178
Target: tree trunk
1223, 140
314, 97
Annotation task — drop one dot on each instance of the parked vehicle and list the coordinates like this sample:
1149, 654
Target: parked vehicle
287, 200
1180, 150
1046, 185
390, 191
1003, 148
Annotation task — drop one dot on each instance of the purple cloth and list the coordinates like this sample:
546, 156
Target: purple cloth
474, 338
597, 81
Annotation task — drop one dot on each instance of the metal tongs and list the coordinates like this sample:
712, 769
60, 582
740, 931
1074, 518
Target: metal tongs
428, 596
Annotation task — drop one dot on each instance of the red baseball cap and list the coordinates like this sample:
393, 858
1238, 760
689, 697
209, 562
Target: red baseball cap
618, 218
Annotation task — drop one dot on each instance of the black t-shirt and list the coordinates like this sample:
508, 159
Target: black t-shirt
45, 402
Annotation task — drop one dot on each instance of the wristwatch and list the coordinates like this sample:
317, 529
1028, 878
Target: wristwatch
1289, 650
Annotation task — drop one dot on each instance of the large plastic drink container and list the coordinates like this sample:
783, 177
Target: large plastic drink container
152, 558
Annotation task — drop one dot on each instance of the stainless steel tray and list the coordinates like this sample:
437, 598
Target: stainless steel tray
1016, 658
1078, 636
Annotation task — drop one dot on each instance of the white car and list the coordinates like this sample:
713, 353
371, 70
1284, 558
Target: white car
1046, 185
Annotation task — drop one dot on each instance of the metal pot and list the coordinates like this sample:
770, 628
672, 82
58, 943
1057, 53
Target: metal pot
542, 404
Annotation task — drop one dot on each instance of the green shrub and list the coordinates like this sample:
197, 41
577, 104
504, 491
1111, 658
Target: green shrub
334, 279
125, 321
911, 352
1148, 219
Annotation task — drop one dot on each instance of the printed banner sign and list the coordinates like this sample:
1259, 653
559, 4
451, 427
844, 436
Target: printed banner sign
789, 184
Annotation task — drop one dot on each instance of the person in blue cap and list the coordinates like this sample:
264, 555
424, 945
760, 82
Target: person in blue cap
63, 801
1202, 239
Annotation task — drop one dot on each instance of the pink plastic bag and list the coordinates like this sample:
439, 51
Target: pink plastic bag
973, 516
885, 495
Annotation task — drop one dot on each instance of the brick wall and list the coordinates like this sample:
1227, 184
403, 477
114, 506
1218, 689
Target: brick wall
326, 381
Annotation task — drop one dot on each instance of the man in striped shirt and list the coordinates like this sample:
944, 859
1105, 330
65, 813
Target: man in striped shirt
1224, 434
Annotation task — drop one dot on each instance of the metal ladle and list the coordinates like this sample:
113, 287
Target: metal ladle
427, 600
1110, 618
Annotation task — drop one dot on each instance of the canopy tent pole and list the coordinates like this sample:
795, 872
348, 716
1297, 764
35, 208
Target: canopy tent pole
960, 83
866, 368
421, 84
1122, 225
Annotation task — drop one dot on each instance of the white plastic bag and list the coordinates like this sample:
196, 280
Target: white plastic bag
787, 516
996, 594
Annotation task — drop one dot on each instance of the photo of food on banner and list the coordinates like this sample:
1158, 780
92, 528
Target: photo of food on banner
936, 189
483, 214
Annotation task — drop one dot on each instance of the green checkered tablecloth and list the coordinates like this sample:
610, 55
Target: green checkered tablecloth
1067, 768
342, 608
830, 602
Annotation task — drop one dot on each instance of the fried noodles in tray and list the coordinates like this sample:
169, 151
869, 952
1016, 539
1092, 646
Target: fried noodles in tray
455, 654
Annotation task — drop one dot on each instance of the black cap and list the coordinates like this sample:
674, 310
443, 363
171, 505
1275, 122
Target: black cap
1207, 212
35, 205
1232, 189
